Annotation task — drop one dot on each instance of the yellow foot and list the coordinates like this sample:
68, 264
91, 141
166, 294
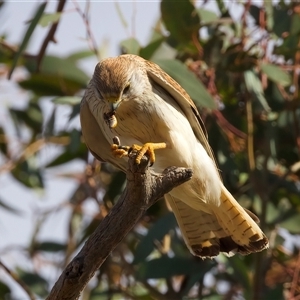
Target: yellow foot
147, 148
119, 151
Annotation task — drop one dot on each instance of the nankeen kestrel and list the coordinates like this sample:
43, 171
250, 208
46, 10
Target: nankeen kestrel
135, 100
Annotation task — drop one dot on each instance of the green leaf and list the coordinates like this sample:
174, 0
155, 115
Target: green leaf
292, 224
295, 26
67, 100
207, 16
68, 155
38, 14
156, 233
284, 216
180, 19
50, 247
32, 116
196, 278
276, 74
50, 85
130, 46
221, 6
150, 49
268, 6
75, 111
275, 292
193, 86
3, 142
64, 68
166, 267
49, 126
4, 291
80, 55
37, 283
255, 12
282, 20
75, 141
63, 71
46, 19
240, 271
254, 86
288, 48
116, 186
28, 173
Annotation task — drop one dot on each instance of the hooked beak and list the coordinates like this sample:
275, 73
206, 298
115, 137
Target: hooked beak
114, 103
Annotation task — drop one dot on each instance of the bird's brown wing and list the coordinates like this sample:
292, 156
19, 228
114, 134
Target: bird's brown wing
240, 234
93, 134
183, 100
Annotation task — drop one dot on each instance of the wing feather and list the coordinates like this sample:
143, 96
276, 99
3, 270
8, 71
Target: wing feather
93, 135
184, 101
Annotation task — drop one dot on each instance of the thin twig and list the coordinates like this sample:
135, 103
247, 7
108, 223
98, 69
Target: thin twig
31, 149
250, 145
18, 280
50, 36
14, 49
295, 280
91, 39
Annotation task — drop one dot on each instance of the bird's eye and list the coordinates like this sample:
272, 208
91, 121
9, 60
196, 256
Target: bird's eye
126, 89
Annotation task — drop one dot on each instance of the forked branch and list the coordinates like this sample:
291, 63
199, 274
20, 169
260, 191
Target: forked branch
143, 189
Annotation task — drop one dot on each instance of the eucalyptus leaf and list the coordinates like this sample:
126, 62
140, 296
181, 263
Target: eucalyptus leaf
80, 55
180, 19
292, 224
33, 23
37, 283
67, 100
207, 16
254, 86
193, 86
276, 74
49, 126
160, 228
47, 19
4, 291
240, 271
130, 46
166, 267
50, 246
3, 141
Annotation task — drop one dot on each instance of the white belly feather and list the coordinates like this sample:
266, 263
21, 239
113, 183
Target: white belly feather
139, 123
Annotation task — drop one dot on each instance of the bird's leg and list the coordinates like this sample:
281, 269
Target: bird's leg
120, 151
147, 148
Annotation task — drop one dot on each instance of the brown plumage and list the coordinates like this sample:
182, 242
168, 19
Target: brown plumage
152, 109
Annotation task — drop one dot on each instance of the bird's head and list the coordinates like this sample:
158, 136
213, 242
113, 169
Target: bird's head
118, 80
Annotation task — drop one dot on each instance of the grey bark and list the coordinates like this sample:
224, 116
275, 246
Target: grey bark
143, 189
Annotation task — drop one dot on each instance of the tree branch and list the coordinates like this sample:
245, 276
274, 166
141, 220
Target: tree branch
18, 280
143, 189
50, 36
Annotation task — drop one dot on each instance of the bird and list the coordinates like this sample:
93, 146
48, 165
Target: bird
135, 100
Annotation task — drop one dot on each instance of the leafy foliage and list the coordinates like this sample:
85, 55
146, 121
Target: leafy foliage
243, 75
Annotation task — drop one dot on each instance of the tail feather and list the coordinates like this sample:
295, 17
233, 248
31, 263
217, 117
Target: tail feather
228, 228
236, 222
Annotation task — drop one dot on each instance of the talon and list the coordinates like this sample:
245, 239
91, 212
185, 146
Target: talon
119, 151
148, 148
130, 150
